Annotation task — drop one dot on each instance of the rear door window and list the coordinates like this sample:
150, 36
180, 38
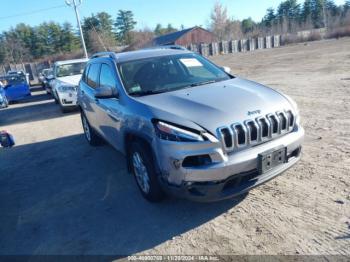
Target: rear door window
84, 76
93, 74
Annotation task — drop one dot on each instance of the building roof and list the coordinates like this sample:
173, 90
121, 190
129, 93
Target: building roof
172, 37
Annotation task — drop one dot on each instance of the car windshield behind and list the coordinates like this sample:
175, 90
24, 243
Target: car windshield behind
168, 73
70, 69
46, 72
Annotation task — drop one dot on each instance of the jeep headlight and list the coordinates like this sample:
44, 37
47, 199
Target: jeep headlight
66, 88
170, 132
174, 132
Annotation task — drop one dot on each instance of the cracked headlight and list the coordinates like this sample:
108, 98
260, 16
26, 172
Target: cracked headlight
171, 132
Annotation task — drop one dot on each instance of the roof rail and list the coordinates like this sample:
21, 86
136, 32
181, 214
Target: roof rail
104, 54
177, 47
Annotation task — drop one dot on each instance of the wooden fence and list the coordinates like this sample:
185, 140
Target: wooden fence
235, 46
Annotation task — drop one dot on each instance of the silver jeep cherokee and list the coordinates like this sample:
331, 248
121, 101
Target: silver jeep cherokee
187, 126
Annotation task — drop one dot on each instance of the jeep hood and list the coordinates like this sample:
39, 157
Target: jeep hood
70, 80
214, 105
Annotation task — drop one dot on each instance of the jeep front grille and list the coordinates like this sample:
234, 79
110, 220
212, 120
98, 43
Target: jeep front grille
255, 131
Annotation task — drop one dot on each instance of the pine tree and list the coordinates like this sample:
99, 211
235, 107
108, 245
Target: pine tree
68, 40
269, 18
124, 24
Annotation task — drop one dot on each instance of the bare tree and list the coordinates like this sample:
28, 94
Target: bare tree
233, 30
222, 26
218, 20
141, 38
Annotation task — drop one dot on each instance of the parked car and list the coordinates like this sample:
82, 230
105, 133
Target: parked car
49, 81
42, 76
15, 87
186, 125
66, 76
3, 99
45, 77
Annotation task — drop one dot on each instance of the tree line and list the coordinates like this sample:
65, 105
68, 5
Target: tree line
288, 17
50, 39
102, 32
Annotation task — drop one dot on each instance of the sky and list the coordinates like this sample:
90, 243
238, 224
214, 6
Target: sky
147, 13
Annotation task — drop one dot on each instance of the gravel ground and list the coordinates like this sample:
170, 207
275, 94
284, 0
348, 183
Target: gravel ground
60, 196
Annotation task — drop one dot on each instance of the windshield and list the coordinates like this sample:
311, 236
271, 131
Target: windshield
70, 69
13, 80
46, 72
168, 73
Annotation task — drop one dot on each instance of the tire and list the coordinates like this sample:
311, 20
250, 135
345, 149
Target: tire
140, 159
90, 134
54, 97
64, 109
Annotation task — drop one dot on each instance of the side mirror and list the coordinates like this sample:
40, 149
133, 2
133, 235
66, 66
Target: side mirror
227, 69
106, 92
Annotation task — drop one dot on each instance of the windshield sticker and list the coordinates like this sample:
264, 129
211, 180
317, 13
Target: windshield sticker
136, 88
191, 62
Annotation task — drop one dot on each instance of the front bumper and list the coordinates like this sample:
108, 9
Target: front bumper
68, 99
229, 175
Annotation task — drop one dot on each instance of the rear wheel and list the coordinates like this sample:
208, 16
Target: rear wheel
90, 134
143, 169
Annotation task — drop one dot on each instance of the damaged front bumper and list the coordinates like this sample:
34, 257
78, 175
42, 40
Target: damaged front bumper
227, 175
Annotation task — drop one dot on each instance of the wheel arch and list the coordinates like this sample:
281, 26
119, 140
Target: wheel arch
131, 137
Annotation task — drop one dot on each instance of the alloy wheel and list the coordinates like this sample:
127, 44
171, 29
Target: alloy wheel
141, 172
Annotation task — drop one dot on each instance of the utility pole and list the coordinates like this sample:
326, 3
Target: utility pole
75, 4
325, 22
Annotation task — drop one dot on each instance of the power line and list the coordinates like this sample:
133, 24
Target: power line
32, 12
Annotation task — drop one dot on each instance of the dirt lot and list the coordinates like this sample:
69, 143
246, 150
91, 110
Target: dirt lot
60, 196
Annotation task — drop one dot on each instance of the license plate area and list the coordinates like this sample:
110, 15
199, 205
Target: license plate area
270, 159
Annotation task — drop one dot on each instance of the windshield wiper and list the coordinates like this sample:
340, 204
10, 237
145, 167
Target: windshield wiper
202, 83
145, 93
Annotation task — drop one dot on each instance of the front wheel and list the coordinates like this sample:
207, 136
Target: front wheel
55, 96
144, 172
6, 102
